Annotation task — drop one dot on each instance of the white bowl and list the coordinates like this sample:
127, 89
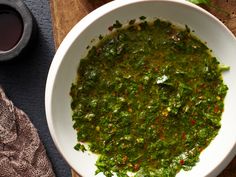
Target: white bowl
65, 63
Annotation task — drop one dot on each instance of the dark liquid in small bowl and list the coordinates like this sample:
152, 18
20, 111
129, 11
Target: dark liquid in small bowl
11, 28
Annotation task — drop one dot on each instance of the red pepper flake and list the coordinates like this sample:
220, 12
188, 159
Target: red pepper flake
157, 120
162, 137
193, 122
200, 149
136, 167
216, 109
124, 159
140, 88
146, 67
203, 85
208, 107
181, 162
130, 110
184, 136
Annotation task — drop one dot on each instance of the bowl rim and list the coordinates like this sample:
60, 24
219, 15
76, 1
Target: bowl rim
71, 38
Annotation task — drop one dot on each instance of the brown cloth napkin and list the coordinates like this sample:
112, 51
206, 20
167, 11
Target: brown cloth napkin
22, 154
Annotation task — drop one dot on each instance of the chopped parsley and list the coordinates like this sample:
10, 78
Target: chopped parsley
148, 99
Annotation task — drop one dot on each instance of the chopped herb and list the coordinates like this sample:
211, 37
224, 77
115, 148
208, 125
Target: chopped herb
131, 22
142, 18
117, 24
200, 1
148, 99
80, 147
100, 37
224, 67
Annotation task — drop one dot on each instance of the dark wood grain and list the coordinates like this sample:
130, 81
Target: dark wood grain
66, 13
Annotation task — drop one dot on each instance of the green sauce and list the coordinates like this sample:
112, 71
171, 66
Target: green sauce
148, 99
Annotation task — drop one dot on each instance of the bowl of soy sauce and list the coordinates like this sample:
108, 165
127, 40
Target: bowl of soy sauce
17, 28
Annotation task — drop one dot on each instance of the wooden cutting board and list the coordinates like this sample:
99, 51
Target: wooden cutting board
66, 13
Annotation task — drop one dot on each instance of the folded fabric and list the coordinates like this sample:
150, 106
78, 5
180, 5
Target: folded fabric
22, 154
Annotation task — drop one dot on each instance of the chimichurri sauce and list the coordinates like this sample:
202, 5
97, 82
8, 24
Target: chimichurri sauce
148, 99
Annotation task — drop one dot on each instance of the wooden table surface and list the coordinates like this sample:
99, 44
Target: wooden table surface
66, 13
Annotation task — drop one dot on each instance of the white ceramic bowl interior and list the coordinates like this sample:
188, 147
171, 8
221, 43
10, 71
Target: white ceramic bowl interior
66, 61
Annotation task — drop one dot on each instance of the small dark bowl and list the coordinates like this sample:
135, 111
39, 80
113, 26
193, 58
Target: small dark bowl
25, 30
